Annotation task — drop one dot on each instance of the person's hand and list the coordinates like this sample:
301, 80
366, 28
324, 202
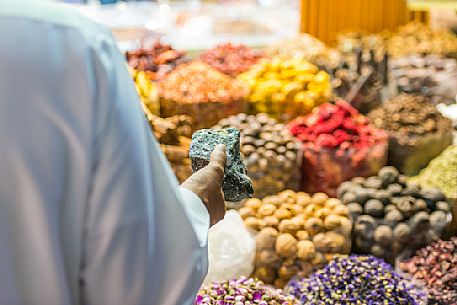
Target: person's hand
207, 184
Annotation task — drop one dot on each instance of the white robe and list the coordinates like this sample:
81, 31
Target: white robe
90, 212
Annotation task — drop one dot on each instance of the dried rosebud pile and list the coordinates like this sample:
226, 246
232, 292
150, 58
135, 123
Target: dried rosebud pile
436, 266
202, 92
156, 61
355, 280
418, 132
243, 291
392, 215
338, 144
337, 126
296, 233
231, 59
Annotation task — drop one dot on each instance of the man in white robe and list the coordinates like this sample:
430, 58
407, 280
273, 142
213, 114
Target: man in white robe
90, 212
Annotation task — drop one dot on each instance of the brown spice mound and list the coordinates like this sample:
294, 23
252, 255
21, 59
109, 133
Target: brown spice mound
410, 116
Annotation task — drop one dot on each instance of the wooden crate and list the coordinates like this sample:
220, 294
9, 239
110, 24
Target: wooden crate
326, 18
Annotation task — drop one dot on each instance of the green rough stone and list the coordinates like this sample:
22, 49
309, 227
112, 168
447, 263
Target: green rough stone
236, 185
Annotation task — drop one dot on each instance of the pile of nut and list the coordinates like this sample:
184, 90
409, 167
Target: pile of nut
231, 59
417, 38
156, 61
200, 91
286, 88
270, 152
391, 214
296, 233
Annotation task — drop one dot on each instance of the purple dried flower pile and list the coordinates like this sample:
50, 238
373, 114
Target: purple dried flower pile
356, 280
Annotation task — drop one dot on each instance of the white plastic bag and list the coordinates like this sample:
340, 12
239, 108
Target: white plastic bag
231, 249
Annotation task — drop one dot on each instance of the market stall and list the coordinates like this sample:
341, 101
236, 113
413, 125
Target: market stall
346, 146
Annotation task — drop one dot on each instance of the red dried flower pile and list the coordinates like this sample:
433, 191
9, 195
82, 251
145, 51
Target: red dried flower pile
338, 144
231, 59
339, 126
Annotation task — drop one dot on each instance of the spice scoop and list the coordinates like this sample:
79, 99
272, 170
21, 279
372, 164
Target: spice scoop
236, 184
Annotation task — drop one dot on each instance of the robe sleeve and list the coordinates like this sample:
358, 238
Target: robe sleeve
145, 238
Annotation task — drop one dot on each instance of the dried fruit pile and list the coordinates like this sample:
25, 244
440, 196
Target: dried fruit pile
231, 59
285, 88
418, 132
147, 91
338, 144
242, 291
272, 154
156, 61
392, 215
297, 233
202, 92
356, 280
436, 266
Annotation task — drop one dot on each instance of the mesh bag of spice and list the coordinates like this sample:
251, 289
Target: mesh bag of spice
296, 233
338, 144
356, 280
391, 214
231, 59
202, 92
417, 131
272, 155
436, 267
285, 88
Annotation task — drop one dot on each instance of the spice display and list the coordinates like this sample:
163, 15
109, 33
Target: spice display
296, 233
338, 144
391, 215
306, 47
436, 266
356, 280
242, 291
156, 61
272, 155
418, 132
203, 93
231, 59
236, 184
432, 76
285, 88
417, 38
441, 173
